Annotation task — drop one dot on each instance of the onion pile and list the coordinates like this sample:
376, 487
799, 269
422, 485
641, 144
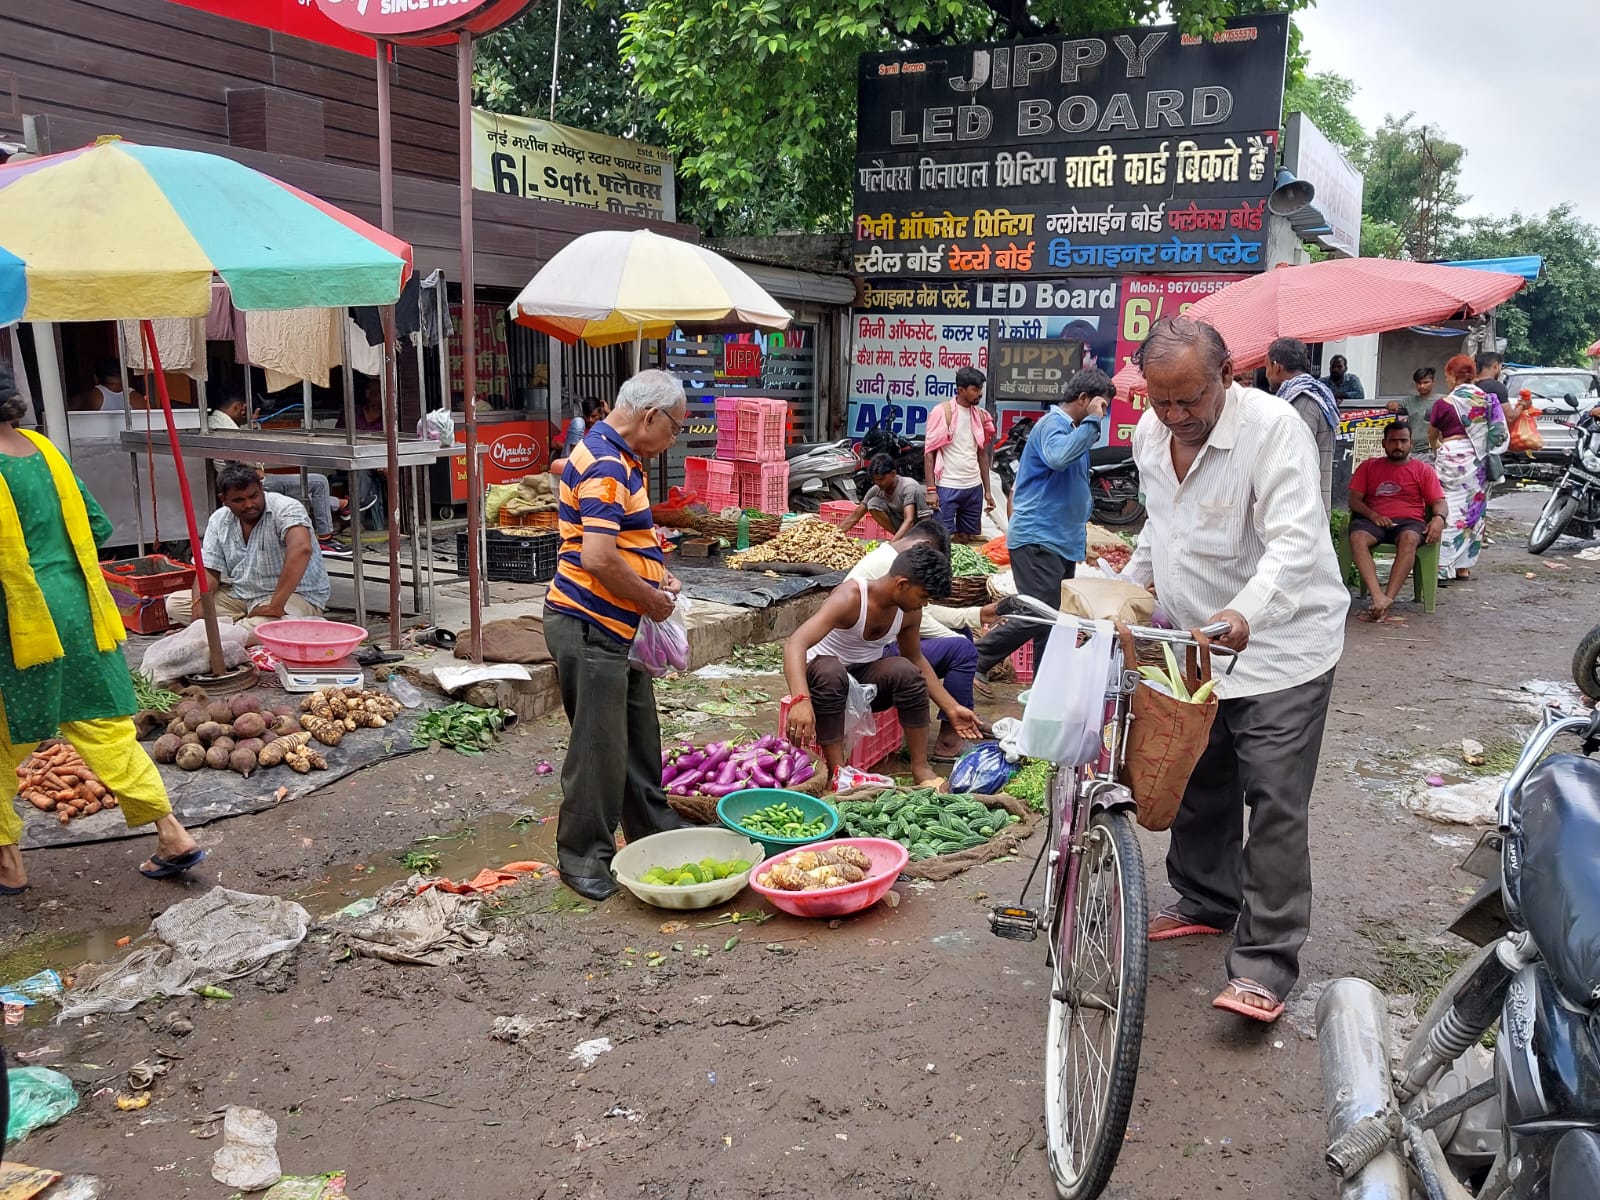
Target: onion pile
723, 767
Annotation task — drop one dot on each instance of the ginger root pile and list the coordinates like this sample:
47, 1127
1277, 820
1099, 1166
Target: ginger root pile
815, 870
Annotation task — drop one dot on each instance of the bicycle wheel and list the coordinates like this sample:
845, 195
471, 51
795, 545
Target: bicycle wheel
1096, 1010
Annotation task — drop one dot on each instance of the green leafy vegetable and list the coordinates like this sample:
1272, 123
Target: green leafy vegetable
964, 560
1030, 783
465, 728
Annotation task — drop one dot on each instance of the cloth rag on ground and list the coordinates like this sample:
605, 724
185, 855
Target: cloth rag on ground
208, 939
431, 929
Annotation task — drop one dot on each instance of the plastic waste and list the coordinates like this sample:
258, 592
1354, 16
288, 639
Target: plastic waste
982, 769
402, 691
39, 1097
248, 1156
46, 985
308, 1187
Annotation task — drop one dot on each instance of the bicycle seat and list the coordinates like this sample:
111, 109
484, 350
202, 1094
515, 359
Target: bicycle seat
1560, 885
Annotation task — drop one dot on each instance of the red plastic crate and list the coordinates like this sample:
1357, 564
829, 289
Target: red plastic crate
694, 475
761, 428
1022, 662
727, 410
764, 486
886, 738
837, 512
721, 485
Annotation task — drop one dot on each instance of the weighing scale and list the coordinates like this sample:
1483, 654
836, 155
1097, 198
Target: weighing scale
300, 677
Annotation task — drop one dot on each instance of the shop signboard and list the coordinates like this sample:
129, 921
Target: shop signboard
421, 22
742, 360
527, 157
1309, 155
511, 449
1145, 299
1034, 369
1143, 150
294, 17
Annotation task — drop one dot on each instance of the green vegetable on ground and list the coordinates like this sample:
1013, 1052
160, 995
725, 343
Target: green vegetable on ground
964, 560
1030, 783
465, 728
784, 821
925, 822
707, 870
148, 696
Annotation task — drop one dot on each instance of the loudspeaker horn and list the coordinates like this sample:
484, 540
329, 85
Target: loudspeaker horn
1291, 194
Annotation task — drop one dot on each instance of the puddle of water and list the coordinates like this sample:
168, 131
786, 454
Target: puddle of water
64, 951
492, 841
1393, 777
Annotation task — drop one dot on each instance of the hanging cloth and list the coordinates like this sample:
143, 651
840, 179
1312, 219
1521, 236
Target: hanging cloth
295, 344
429, 306
181, 341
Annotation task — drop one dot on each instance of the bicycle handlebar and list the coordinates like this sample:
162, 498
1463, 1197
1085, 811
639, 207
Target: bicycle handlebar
1043, 614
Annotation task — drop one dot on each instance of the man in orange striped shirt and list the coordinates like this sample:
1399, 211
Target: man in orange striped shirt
609, 575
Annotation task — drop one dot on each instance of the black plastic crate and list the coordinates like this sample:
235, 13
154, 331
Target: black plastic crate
528, 558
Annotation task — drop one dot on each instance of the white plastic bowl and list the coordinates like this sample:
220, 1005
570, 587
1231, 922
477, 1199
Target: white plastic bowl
676, 847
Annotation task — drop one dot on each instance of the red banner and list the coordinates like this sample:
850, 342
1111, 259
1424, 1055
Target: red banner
298, 18
742, 360
512, 449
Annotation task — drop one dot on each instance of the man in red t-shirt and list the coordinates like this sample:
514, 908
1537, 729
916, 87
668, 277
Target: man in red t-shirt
1394, 501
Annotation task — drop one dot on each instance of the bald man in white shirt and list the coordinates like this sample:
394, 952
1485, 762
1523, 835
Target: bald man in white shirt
1237, 533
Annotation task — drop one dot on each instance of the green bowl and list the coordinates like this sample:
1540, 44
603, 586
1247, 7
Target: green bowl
735, 806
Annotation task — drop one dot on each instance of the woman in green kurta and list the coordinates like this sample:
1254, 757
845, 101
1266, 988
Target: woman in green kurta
61, 665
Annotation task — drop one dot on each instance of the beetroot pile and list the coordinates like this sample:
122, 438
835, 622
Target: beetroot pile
723, 767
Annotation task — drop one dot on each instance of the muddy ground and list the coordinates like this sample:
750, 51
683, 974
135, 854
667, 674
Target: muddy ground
897, 1056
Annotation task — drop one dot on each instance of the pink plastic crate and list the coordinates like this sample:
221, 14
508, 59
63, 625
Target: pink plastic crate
722, 485
764, 486
1022, 662
694, 475
727, 409
837, 512
761, 429
885, 739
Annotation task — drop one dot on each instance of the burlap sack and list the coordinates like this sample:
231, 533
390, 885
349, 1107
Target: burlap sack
946, 866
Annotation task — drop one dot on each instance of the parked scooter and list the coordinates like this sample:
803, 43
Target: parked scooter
1451, 1120
1114, 488
1574, 507
821, 471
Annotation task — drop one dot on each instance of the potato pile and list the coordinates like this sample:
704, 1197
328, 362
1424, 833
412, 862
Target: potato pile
808, 540
55, 779
236, 734
333, 712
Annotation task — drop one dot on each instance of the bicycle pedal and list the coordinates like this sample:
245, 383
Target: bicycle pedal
1018, 924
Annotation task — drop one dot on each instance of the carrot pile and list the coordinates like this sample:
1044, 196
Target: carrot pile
54, 778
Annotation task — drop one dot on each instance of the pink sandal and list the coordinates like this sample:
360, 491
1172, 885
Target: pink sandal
1249, 987
1184, 928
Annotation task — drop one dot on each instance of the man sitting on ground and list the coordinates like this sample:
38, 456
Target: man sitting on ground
263, 563
230, 413
946, 644
846, 638
1394, 501
896, 501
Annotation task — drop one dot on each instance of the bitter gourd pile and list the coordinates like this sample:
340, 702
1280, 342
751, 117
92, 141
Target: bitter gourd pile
927, 823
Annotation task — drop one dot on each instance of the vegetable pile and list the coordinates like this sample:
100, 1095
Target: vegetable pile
964, 560
55, 779
707, 870
816, 870
927, 823
329, 714
1030, 782
235, 735
1171, 680
723, 767
808, 540
783, 821
465, 728
151, 698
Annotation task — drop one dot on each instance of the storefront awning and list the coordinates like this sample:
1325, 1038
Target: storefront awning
785, 283
1529, 266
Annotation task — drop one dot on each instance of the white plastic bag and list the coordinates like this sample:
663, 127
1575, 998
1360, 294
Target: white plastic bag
187, 652
662, 646
859, 720
438, 426
1065, 713
1008, 732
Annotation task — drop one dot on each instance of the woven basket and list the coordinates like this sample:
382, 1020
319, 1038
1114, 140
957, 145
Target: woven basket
966, 590
702, 810
761, 529
676, 518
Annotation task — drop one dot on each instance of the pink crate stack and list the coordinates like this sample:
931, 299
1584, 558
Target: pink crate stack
721, 485
884, 740
763, 485
1022, 662
695, 476
727, 409
761, 430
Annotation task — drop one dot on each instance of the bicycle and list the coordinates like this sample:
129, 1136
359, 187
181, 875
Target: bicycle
1097, 946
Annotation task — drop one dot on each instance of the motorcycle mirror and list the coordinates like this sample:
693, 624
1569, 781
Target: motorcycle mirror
1572, 401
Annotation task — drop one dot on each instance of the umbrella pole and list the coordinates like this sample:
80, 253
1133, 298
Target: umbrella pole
638, 345
202, 581
469, 348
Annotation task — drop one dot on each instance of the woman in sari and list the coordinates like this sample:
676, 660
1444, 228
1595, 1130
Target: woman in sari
61, 666
1464, 428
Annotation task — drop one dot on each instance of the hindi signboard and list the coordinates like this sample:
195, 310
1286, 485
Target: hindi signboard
1141, 150
524, 156
1032, 368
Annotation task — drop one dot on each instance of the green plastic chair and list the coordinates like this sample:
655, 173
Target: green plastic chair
1424, 572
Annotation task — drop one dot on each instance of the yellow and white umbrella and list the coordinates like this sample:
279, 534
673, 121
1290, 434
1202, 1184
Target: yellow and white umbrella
616, 286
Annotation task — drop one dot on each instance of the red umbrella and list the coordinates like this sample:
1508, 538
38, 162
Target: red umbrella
1339, 298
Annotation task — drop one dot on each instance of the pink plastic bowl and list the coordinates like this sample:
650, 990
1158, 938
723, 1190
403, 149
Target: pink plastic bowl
307, 643
889, 858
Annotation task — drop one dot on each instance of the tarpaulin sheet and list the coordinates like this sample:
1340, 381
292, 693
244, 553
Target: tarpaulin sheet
748, 589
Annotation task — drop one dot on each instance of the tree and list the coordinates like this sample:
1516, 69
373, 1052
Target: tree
757, 96
1549, 322
1413, 186
1325, 97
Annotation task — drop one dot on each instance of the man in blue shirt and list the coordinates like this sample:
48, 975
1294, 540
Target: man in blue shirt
1050, 509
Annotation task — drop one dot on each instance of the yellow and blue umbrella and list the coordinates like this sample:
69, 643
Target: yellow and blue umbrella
120, 231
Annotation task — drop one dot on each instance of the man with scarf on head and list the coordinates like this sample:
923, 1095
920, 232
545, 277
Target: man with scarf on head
1289, 373
61, 667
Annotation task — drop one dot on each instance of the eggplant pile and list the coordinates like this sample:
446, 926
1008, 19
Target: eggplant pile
723, 767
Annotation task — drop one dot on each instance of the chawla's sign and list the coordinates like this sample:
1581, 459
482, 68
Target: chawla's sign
422, 22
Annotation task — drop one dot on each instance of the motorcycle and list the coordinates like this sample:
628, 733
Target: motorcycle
1452, 1120
821, 471
1574, 506
881, 438
1009, 452
1114, 488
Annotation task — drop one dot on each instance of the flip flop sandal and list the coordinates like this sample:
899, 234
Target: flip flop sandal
1249, 987
442, 638
7, 890
166, 868
371, 656
1186, 928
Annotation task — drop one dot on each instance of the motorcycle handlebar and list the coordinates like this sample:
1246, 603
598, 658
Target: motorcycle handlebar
1556, 723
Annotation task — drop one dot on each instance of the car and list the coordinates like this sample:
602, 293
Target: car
1549, 387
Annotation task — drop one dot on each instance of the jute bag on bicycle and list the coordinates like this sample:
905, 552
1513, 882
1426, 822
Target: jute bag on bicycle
1166, 735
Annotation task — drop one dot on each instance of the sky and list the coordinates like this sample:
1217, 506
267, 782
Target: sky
1517, 84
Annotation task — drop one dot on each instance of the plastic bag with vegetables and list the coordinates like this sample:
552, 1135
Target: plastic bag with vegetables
662, 646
